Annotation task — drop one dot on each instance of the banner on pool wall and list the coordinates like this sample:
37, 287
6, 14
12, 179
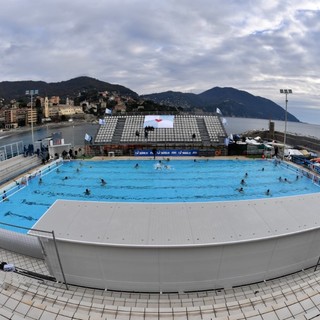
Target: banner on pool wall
166, 153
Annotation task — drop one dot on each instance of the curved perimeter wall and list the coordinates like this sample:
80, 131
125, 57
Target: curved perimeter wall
183, 268
20, 243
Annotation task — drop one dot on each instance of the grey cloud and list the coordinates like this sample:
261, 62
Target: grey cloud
153, 46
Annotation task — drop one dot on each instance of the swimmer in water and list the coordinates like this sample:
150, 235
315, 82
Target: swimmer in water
103, 182
4, 197
87, 192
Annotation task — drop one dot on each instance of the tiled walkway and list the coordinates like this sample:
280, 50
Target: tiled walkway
296, 296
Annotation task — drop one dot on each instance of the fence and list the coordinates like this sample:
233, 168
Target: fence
27, 253
11, 150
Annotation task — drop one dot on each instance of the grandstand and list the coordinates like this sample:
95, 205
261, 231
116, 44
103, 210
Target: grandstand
122, 134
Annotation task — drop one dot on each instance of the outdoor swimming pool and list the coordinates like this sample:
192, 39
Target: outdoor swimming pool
151, 181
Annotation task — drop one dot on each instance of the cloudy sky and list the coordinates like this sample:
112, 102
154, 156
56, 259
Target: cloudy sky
157, 45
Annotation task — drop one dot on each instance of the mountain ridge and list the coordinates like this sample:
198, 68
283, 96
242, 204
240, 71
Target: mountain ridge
16, 89
232, 102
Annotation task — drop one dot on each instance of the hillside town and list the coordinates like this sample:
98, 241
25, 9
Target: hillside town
44, 109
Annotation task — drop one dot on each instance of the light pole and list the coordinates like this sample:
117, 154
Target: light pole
31, 93
286, 92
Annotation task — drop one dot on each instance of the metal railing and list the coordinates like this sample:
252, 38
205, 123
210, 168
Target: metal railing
11, 150
29, 246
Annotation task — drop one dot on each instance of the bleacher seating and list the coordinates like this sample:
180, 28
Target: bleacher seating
185, 130
132, 125
17, 165
106, 131
214, 127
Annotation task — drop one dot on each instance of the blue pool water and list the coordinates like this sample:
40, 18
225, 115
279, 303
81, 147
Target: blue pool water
151, 181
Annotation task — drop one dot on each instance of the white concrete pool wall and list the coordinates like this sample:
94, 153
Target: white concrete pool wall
20, 243
185, 268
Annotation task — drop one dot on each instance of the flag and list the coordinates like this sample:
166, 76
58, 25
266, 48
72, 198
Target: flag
102, 121
108, 111
218, 111
87, 137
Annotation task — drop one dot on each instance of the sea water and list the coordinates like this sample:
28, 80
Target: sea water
74, 133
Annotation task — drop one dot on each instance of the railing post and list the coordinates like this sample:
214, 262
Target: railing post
59, 260
316, 266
